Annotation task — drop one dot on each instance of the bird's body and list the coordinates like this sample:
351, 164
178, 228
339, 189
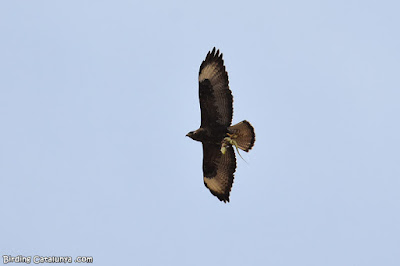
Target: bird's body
216, 133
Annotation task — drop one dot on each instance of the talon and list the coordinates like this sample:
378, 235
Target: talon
223, 149
232, 135
232, 142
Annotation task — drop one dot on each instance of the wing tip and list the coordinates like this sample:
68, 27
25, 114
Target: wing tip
214, 54
226, 200
221, 196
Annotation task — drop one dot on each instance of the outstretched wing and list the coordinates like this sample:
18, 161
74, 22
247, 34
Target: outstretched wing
214, 93
218, 170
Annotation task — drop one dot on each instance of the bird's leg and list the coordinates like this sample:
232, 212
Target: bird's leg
225, 143
230, 140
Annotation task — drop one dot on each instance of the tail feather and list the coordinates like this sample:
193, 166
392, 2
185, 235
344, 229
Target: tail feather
243, 134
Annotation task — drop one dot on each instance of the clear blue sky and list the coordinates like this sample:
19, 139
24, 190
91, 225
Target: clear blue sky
96, 98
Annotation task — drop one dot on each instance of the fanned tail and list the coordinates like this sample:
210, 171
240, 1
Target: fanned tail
243, 134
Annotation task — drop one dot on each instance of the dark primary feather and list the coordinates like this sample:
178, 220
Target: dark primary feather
214, 93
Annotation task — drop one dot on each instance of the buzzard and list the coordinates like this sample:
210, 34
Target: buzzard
216, 133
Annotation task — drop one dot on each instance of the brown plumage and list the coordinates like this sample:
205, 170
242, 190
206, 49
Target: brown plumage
215, 132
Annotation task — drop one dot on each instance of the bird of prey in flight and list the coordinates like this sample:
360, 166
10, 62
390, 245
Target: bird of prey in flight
216, 133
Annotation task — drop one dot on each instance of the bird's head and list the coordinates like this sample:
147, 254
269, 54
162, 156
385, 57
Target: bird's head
190, 134
197, 134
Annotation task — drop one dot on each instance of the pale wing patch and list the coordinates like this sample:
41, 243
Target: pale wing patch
208, 72
214, 185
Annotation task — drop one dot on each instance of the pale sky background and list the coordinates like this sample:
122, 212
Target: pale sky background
96, 98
